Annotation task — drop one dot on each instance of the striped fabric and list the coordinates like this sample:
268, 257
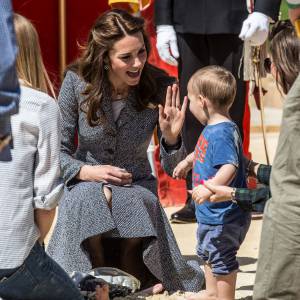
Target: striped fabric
31, 179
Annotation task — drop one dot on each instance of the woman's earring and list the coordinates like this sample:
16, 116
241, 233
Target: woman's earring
106, 67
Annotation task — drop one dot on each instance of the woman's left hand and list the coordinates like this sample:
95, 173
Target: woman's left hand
171, 116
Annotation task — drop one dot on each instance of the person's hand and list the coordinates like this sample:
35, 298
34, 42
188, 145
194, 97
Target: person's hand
166, 44
220, 193
105, 173
102, 292
171, 116
251, 167
182, 169
4, 142
255, 29
200, 194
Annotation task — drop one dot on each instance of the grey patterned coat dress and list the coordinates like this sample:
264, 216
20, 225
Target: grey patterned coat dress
136, 211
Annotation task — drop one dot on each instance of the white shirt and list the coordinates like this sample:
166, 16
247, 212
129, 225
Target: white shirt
31, 179
117, 106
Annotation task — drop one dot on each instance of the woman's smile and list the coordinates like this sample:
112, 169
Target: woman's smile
134, 74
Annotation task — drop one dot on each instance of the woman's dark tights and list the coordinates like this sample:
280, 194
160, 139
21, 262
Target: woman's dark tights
125, 254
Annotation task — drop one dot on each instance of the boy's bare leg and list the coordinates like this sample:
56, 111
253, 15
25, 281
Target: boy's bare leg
211, 292
43, 220
153, 290
226, 286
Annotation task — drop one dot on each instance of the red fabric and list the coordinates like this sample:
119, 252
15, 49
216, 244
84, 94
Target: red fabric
80, 17
44, 16
246, 124
171, 192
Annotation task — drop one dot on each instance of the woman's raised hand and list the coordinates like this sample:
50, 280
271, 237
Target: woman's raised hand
171, 116
105, 173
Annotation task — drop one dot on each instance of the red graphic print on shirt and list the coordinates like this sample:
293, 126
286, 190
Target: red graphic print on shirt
200, 149
199, 156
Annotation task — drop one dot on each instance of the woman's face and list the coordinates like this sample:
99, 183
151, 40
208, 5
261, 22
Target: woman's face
127, 59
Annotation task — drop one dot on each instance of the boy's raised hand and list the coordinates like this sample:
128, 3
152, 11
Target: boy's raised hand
171, 116
182, 169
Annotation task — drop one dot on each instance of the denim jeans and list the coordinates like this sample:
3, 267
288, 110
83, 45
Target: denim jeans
38, 278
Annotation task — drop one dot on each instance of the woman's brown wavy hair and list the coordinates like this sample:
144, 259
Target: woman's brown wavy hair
285, 52
107, 30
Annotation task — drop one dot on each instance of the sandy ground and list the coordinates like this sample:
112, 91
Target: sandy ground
247, 255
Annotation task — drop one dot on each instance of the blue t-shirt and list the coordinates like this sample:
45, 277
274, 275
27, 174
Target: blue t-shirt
218, 145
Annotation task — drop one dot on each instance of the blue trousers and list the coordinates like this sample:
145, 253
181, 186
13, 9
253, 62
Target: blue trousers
38, 278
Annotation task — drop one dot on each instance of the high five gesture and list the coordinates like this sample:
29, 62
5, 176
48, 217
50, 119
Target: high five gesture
171, 116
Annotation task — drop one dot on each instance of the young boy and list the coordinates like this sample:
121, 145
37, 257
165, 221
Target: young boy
218, 157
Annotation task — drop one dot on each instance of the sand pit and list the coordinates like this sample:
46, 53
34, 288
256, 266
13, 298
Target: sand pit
166, 296
163, 296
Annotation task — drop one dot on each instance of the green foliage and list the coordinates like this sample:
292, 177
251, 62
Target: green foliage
283, 10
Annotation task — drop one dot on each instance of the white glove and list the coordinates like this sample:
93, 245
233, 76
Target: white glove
255, 28
166, 44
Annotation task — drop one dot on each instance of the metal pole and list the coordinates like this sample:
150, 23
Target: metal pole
261, 102
62, 37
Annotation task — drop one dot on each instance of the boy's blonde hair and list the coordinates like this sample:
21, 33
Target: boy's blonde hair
30, 66
216, 84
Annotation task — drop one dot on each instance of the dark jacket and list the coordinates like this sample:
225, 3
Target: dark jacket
256, 199
209, 16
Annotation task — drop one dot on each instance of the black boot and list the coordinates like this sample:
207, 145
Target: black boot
186, 214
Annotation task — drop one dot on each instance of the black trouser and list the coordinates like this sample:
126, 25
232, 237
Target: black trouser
197, 51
